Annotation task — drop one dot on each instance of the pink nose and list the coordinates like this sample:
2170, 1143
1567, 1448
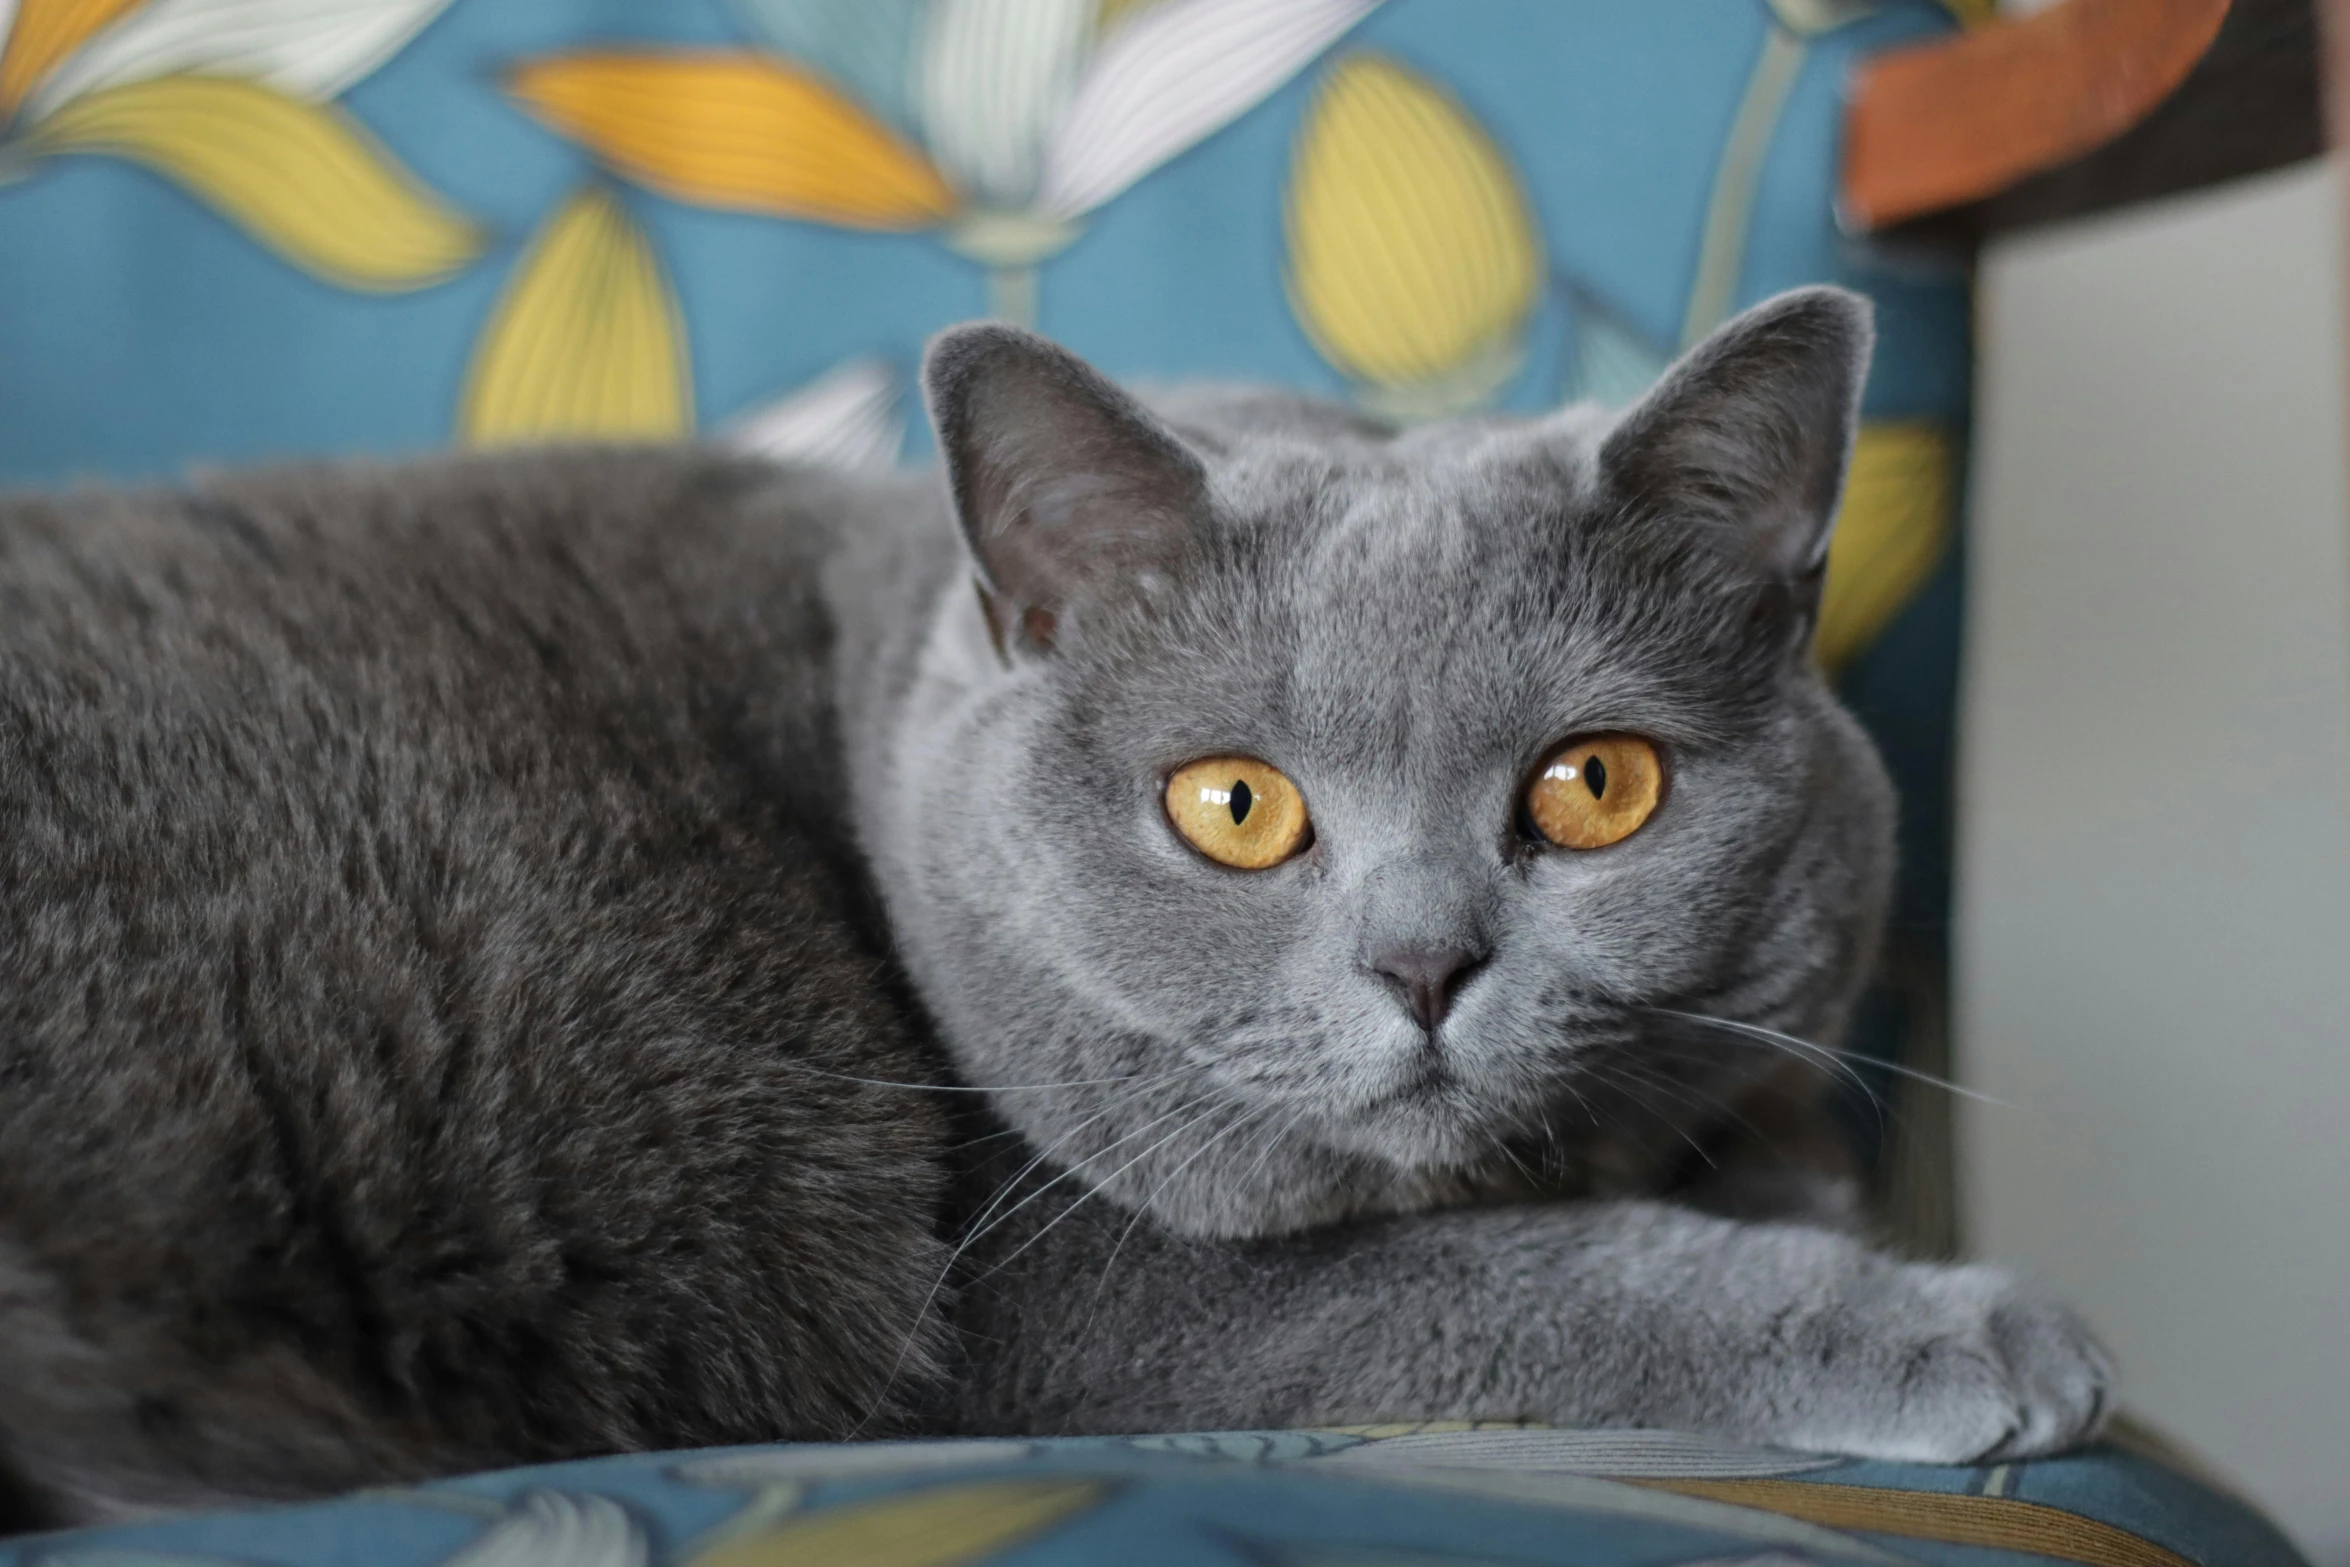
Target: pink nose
1427, 979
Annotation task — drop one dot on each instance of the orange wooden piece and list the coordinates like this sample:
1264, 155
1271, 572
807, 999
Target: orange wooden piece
1965, 117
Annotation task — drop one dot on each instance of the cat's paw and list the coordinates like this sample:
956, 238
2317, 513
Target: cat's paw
1952, 1365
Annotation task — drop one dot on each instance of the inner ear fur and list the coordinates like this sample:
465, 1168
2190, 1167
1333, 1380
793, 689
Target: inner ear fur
1069, 492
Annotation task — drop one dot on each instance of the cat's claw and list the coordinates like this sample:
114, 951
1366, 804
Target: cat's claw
1954, 1365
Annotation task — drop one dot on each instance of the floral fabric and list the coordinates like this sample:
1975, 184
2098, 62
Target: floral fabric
1399, 1496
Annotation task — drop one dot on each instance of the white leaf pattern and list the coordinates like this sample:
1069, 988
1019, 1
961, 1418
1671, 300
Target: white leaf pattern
559, 1529
307, 48
993, 77
1170, 77
845, 418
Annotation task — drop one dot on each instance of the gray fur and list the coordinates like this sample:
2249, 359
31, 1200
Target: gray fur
419, 944
445, 1018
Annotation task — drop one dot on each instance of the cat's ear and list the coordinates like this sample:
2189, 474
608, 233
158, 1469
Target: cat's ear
1068, 491
1748, 435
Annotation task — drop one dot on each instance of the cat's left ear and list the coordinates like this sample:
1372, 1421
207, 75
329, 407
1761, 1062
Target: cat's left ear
1070, 493
1748, 436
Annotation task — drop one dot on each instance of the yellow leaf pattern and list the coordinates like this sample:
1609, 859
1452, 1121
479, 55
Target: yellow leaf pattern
938, 1526
742, 131
1413, 258
1891, 532
302, 178
586, 341
46, 31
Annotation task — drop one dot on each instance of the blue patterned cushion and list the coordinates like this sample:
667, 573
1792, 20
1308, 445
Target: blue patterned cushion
1401, 1496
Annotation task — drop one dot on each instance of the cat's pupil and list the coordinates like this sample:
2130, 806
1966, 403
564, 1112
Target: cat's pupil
1241, 801
1595, 776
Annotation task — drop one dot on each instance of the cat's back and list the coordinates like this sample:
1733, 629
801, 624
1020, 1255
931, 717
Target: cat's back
436, 559
457, 655
432, 958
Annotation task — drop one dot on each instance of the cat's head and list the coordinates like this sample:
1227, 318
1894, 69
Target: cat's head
1334, 806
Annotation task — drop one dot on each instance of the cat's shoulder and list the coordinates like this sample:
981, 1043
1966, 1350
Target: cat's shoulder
581, 492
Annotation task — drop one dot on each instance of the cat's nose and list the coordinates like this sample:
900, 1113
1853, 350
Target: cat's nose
1427, 978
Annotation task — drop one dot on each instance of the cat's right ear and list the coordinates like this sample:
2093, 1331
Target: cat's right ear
1069, 493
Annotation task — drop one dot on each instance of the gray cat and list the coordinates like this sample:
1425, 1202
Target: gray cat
1275, 920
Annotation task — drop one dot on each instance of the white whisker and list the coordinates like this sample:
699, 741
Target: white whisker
1095, 1189
1671, 1124
1835, 1058
1142, 1208
1272, 1141
981, 1226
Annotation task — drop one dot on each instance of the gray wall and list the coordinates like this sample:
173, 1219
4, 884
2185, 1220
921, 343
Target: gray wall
2154, 924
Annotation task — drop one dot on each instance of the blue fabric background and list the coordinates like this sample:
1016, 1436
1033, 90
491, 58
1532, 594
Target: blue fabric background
140, 332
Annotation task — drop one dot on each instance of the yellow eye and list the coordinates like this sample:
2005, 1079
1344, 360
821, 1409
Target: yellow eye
1237, 811
1596, 791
